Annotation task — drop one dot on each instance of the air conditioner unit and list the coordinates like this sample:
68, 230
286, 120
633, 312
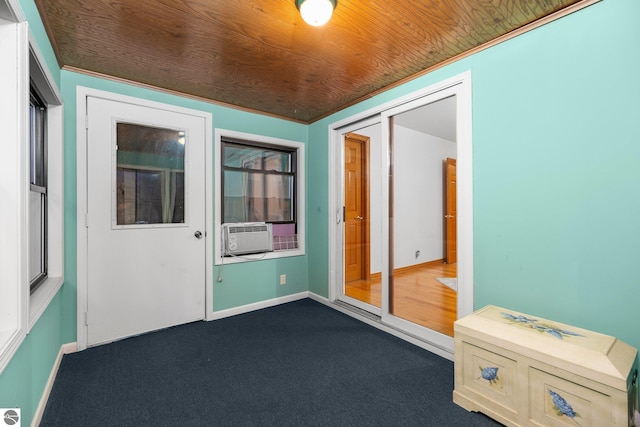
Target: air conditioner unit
247, 238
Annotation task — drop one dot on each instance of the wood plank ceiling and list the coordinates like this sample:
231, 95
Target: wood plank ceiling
259, 55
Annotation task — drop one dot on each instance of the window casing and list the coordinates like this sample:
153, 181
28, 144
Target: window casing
261, 179
45, 244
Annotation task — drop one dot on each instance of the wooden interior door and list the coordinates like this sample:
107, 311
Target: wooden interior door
356, 207
450, 223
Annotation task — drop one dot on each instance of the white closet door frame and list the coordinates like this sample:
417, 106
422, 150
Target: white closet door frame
460, 86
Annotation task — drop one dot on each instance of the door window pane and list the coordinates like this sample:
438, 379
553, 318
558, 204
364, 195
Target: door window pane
150, 175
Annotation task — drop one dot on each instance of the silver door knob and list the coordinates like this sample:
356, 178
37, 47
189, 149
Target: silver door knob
359, 217
197, 234
449, 216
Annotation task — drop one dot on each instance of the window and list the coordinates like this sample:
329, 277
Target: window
44, 161
38, 190
31, 221
259, 186
261, 179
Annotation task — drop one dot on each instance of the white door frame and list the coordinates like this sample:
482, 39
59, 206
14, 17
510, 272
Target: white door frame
460, 86
339, 243
81, 162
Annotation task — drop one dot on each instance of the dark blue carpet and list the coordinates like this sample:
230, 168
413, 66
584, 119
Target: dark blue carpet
297, 364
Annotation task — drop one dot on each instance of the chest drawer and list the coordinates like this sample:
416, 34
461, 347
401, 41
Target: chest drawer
492, 377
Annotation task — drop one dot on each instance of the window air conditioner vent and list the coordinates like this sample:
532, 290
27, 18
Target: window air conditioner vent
247, 238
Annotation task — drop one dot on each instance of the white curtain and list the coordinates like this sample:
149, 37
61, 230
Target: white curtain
168, 194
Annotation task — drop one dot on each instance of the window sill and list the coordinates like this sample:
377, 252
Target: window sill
10, 341
40, 299
261, 257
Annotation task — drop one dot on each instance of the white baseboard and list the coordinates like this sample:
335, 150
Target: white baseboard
385, 328
68, 348
256, 306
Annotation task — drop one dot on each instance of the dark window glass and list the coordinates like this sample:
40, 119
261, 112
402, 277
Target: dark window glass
38, 190
259, 185
150, 175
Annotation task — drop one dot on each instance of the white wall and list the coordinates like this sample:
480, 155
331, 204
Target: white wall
418, 195
376, 175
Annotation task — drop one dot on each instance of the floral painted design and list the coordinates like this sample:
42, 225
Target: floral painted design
520, 318
540, 327
563, 407
490, 374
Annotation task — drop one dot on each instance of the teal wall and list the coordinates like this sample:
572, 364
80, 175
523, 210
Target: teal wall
556, 182
23, 380
556, 172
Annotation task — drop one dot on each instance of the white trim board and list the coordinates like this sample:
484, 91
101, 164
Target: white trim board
247, 308
10, 10
64, 349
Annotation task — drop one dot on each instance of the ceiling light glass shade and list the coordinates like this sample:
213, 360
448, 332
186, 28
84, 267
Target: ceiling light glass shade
316, 12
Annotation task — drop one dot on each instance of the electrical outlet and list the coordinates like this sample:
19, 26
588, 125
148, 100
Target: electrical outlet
283, 279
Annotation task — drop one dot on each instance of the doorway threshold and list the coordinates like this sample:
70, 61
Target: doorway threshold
358, 311
376, 322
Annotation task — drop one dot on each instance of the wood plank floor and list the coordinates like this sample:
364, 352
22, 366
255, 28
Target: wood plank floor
416, 295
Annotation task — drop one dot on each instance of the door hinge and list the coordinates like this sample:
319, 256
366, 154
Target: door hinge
86, 319
86, 220
86, 121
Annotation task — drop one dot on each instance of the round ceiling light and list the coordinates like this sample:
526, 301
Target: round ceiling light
316, 12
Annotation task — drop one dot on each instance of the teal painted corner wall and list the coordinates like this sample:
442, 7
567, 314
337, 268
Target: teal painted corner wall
555, 170
242, 284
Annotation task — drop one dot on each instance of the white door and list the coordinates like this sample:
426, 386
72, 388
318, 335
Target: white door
146, 219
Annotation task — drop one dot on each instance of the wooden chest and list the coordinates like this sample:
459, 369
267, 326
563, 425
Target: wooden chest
522, 370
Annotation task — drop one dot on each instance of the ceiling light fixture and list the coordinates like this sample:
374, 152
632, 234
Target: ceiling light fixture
316, 12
